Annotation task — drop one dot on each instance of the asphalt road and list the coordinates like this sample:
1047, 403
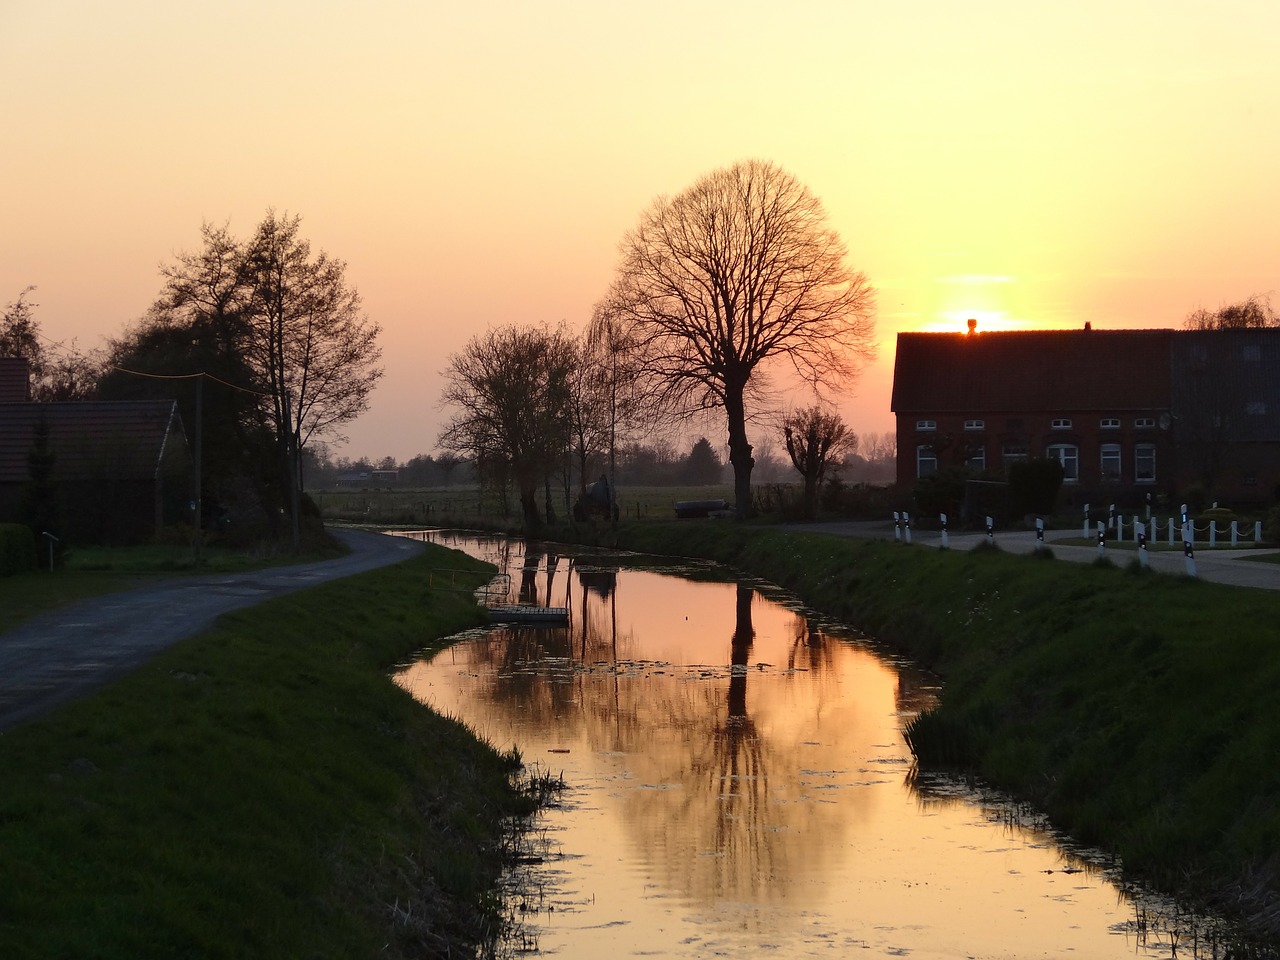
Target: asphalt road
59, 656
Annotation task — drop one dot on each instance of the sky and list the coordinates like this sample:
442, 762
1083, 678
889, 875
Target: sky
476, 164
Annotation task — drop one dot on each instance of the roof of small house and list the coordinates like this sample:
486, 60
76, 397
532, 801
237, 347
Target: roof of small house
126, 439
1066, 370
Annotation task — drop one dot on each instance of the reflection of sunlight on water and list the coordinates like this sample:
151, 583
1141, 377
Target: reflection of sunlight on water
739, 783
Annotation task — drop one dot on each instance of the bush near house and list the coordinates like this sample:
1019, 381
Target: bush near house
17, 548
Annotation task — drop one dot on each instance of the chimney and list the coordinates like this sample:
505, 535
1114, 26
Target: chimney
1088, 325
973, 325
15, 380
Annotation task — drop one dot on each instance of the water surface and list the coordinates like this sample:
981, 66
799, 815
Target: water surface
739, 785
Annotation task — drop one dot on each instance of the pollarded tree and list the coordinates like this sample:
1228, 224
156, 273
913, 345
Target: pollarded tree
511, 388
815, 440
1250, 314
735, 274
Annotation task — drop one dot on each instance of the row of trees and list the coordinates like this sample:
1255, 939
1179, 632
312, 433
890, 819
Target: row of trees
716, 289
262, 342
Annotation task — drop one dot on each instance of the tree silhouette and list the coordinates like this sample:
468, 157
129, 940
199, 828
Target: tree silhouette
736, 272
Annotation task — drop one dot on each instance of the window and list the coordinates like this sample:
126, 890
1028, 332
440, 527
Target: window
1144, 463
1144, 423
1111, 461
976, 458
1068, 455
926, 424
1253, 353
975, 424
1109, 423
1062, 423
1013, 453
1256, 408
926, 460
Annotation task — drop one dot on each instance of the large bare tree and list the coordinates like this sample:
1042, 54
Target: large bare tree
734, 275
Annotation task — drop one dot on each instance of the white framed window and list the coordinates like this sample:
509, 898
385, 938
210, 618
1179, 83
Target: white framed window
1253, 352
1144, 462
1256, 408
926, 460
1013, 453
926, 424
976, 458
1144, 423
975, 424
1109, 423
1061, 423
1067, 454
1111, 461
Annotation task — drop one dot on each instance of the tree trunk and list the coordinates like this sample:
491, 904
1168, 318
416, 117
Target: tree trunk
811, 495
529, 506
739, 452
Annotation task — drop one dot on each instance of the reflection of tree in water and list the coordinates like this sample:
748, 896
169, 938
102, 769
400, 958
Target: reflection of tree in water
706, 816
734, 770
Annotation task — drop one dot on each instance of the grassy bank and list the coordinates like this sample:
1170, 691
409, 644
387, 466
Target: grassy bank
263, 790
1136, 709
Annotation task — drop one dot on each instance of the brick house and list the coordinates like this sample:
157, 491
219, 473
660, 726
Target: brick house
122, 469
1126, 412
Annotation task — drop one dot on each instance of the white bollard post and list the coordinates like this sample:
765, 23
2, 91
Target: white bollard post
1140, 533
945, 542
906, 525
1189, 548
1039, 533
1257, 532
897, 526
1085, 532
991, 531
1102, 539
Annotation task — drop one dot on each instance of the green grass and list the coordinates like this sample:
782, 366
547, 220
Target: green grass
1136, 709
263, 790
468, 506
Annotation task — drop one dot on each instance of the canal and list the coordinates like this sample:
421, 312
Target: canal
738, 784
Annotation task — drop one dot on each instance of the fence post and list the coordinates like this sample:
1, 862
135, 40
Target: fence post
1235, 533
1171, 540
1257, 532
1213, 534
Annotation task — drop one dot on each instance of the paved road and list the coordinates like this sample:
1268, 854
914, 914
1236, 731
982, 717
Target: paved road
59, 656
1220, 565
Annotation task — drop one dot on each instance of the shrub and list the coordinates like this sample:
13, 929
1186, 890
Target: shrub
1034, 486
17, 548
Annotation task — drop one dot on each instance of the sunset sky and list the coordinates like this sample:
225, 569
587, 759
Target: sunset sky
1026, 164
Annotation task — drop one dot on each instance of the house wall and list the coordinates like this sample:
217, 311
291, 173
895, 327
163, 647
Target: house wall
958, 442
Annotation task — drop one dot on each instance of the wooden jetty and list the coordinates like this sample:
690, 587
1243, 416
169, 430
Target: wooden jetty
527, 613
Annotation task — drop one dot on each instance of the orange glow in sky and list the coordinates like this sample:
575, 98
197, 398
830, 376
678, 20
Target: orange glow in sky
1028, 165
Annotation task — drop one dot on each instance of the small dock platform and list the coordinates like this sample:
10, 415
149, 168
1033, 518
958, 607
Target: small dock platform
528, 614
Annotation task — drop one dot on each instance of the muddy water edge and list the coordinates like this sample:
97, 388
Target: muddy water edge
738, 781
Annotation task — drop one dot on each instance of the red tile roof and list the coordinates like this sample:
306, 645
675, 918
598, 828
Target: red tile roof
1109, 370
127, 438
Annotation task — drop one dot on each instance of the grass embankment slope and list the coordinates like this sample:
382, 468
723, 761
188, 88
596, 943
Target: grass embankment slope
263, 790
1137, 710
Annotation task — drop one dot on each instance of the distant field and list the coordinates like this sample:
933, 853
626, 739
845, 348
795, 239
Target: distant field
460, 504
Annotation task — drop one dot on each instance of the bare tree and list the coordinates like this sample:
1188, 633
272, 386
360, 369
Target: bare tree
511, 386
816, 439
58, 371
1252, 313
737, 271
